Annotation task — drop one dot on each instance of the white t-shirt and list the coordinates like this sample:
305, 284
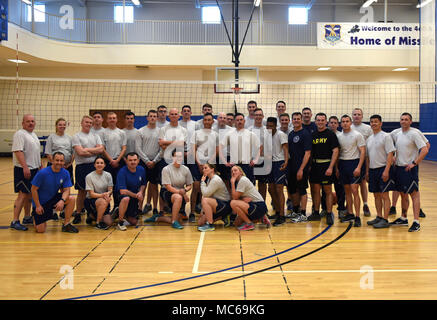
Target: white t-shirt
56, 143
131, 135
248, 190
191, 127
171, 133
364, 129
206, 141
215, 188
407, 145
114, 140
244, 145
349, 144
414, 129
176, 177
86, 140
278, 140
221, 136
98, 132
199, 124
249, 122
160, 124
147, 144
99, 183
29, 144
378, 147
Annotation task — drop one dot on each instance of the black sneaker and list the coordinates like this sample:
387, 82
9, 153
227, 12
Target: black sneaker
55, 217
155, 211
414, 227
341, 213
147, 208
330, 218
366, 210
89, 220
422, 214
77, 218
348, 217
102, 226
399, 222
323, 213
382, 223
114, 213
280, 220
27, 220
392, 211
374, 221
357, 222
69, 228
197, 208
274, 217
62, 214
192, 218
18, 226
314, 217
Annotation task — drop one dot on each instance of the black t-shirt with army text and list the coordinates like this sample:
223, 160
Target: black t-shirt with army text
323, 144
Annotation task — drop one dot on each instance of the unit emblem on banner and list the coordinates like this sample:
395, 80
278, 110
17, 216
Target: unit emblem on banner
332, 33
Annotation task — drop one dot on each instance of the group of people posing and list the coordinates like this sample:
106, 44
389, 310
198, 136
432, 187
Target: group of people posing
223, 167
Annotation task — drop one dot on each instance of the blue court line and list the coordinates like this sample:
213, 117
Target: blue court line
205, 274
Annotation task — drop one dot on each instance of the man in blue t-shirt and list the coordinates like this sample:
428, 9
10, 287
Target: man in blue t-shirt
299, 147
51, 193
131, 182
307, 114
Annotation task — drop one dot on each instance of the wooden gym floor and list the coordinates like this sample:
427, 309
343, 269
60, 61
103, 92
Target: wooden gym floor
151, 261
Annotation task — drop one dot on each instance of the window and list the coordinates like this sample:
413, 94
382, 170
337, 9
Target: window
297, 15
39, 13
128, 14
211, 14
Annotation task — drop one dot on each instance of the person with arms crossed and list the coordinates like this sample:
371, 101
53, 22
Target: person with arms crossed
26, 159
351, 160
410, 151
46, 198
379, 170
97, 127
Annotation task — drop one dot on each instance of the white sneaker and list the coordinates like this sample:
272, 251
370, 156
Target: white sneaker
121, 227
126, 223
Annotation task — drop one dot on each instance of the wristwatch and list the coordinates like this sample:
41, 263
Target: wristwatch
414, 162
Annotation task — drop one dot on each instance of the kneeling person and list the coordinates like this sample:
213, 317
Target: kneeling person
47, 199
131, 182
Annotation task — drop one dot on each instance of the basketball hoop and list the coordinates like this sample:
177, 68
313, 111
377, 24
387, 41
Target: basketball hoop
237, 90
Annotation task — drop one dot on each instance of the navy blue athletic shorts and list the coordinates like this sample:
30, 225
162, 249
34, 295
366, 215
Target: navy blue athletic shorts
20, 182
48, 210
376, 184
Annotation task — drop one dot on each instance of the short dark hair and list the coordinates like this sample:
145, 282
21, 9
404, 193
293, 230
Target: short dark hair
321, 114
151, 111
297, 113
133, 153
99, 157
186, 106
252, 102
239, 114
306, 108
161, 107
208, 114
346, 116
206, 105
258, 109
97, 112
333, 117
284, 115
272, 120
407, 114
57, 152
376, 116
129, 113
280, 101
230, 114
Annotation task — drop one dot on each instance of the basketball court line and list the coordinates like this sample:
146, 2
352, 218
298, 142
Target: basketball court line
198, 253
335, 271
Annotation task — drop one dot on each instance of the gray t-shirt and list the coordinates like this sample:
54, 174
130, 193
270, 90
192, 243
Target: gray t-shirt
349, 144
171, 133
176, 177
278, 140
249, 122
244, 145
99, 183
57, 143
131, 135
395, 131
378, 147
114, 140
246, 187
215, 188
407, 145
147, 144
98, 132
29, 144
86, 140
364, 129
206, 141
160, 124
199, 124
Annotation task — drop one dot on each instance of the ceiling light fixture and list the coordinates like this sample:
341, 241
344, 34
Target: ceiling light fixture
17, 61
400, 69
368, 3
324, 68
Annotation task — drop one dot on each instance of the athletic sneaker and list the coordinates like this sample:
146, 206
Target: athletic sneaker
227, 221
382, 223
323, 213
414, 227
392, 211
341, 214
89, 220
121, 226
167, 209
77, 218
348, 217
294, 215
114, 213
62, 214
422, 214
176, 225
314, 217
102, 226
197, 209
192, 218
18, 226
279, 221
55, 217
206, 227
275, 216
152, 218
126, 223
399, 222
299, 218
330, 218
266, 221
147, 208
69, 228
366, 210
289, 205
374, 221
246, 227
357, 222
27, 220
